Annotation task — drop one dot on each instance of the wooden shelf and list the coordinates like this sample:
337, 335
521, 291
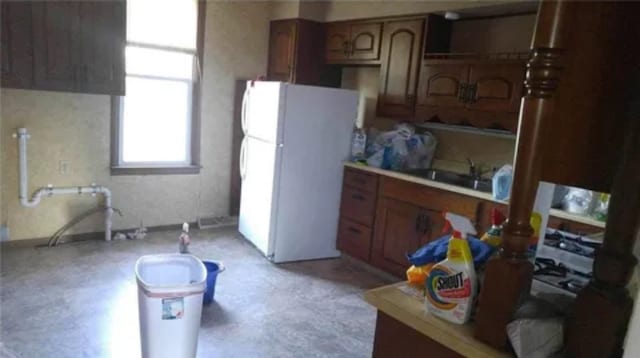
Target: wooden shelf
518, 56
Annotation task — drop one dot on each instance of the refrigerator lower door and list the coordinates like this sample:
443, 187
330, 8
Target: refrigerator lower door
258, 198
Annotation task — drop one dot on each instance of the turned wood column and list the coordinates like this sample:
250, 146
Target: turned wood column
597, 325
508, 276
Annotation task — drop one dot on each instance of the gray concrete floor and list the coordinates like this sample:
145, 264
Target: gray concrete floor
80, 300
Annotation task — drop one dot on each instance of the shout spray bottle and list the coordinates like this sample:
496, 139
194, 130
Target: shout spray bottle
452, 284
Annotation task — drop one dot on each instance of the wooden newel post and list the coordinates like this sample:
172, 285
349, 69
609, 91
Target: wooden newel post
508, 276
598, 322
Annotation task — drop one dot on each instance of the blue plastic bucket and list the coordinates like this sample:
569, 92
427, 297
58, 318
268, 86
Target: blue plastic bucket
213, 269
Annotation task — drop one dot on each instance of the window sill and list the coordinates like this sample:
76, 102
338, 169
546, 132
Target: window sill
186, 170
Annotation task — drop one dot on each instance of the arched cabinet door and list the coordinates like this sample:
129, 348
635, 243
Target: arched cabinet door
337, 42
496, 86
365, 41
401, 53
442, 84
282, 51
353, 43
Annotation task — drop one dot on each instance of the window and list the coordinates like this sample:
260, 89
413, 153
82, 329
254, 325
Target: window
155, 125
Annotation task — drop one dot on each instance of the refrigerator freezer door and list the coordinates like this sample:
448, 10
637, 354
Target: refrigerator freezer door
258, 197
318, 123
262, 111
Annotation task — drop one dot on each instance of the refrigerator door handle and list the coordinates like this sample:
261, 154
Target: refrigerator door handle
243, 158
243, 112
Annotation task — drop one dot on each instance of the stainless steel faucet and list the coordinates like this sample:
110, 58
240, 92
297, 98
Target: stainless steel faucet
473, 172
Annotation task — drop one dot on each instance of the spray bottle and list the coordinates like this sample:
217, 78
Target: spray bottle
451, 286
184, 240
493, 236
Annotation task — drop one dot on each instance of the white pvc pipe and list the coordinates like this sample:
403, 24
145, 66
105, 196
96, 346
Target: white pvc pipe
23, 136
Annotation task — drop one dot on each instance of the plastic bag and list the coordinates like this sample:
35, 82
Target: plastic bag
422, 148
400, 148
376, 159
436, 251
601, 207
536, 338
501, 183
578, 201
399, 153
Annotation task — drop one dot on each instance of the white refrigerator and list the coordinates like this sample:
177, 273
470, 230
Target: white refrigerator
295, 141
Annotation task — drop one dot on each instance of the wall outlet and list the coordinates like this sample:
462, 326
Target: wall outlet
63, 167
4, 233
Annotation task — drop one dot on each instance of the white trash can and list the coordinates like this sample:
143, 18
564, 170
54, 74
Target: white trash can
170, 289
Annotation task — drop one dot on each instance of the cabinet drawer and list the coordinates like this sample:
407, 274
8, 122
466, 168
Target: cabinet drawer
431, 198
354, 239
361, 180
358, 205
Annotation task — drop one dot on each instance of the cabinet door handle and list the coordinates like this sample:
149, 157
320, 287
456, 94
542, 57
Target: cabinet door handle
418, 223
462, 90
358, 197
354, 230
359, 180
471, 93
427, 224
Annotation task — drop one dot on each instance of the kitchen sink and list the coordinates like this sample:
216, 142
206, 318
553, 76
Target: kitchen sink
443, 176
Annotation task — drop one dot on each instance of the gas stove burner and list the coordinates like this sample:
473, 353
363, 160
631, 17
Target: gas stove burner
576, 245
572, 285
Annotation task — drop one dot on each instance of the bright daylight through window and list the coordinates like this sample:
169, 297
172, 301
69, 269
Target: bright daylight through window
155, 115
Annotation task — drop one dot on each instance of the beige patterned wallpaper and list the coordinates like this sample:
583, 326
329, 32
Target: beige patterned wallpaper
75, 128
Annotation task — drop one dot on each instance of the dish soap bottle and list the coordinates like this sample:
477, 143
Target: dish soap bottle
184, 240
451, 286
358, 144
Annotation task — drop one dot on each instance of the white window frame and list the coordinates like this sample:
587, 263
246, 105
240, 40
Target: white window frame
192, 163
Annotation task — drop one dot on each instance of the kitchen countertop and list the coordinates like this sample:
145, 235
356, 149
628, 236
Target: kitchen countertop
427, 182
468, 192
577, 218
405, 304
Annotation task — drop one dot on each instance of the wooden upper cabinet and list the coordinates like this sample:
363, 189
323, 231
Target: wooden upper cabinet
16, 47
337, 42
442, 85
282, 50
365, 41
70, 46
401, 53
102, 32
295, 54
55, 42
353, 42
480, 93
496, 86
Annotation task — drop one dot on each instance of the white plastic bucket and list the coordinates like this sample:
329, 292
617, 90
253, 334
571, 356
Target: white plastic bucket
170, 289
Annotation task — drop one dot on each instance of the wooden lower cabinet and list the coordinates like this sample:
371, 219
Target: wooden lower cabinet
354, 238
358, 205
357, 213
396, 234
395, 339
401, 228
